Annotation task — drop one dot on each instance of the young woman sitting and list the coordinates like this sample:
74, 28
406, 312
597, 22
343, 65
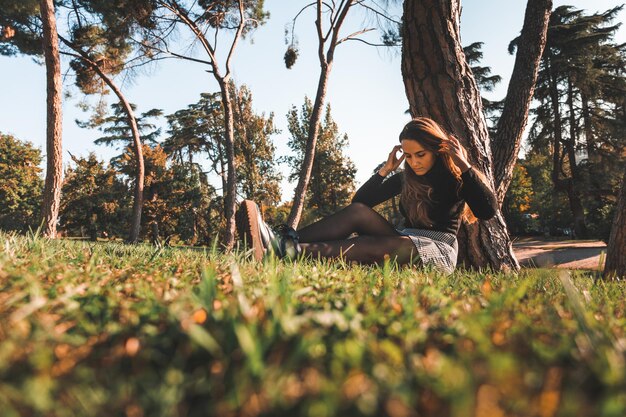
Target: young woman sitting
438, 189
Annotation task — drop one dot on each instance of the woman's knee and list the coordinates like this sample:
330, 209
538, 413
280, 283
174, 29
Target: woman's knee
362, 211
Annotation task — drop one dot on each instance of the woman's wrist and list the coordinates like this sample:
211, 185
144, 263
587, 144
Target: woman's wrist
383, 172
463, 165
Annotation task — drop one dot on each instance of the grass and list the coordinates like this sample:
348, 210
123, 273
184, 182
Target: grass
106, 329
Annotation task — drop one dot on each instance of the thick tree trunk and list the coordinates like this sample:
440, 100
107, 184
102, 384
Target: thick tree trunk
230, 191
307, 165
508, 137
616, 253
54, 148
439, 84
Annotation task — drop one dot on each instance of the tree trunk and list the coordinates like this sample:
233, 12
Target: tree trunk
54, 148
557, 137
307, 165
557, 134
326, 62
508, 137
616, 252
576, 204
135, 227
589, 137
231, 176
440, 85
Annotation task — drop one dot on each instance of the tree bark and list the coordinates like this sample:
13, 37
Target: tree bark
440, 85
54, 147
307, 165
231, 177
508, 137
616, 252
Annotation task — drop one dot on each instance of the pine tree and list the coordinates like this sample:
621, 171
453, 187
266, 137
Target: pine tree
198, 131
332, 175
580, 91
254, 151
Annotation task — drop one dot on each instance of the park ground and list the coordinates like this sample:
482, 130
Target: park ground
538, 252
108, 329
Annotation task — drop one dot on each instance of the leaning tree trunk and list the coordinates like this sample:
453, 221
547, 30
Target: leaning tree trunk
326, 62
440, 85
54, 148
135, 226
616, 253
307, 165
508, 137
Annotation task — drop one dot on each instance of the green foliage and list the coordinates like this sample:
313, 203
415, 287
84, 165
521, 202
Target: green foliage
199, 129
179, 204
580, 90
332, 178
21, 185
20, 28
255, 160
110, 329
518, 202
224, 14
94, 200
117, 129
485, 81
552, 209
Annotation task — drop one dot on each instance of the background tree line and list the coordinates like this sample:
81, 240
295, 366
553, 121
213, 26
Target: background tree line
569, 179
184, 171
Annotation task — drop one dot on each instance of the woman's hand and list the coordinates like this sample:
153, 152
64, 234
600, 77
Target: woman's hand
393, 162
457, 152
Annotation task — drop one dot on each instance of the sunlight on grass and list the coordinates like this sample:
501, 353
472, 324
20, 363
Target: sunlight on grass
101, 329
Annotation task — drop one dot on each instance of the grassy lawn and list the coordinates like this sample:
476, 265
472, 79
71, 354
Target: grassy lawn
105, 329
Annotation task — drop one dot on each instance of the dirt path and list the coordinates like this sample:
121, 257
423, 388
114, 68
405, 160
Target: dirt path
571, 254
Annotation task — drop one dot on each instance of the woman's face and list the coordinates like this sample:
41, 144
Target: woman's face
417, 157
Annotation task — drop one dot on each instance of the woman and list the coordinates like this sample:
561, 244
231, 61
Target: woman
434, 189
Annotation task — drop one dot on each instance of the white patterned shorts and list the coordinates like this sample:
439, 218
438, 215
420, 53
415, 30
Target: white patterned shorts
435, 248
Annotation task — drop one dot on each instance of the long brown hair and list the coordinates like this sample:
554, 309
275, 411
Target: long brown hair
416, 194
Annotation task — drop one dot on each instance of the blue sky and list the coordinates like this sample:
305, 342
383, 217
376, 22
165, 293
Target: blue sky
366, 92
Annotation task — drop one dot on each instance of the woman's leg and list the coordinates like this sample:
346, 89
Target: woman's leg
365, 249
356, 218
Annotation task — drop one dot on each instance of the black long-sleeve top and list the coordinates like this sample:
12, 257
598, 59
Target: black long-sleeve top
447, 196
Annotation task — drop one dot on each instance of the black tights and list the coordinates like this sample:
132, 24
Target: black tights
377, 238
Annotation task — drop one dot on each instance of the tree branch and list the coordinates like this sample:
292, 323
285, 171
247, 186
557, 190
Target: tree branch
293, 25
344, 8
183, 16
320, 35
354, 35
378, 13
242, 24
